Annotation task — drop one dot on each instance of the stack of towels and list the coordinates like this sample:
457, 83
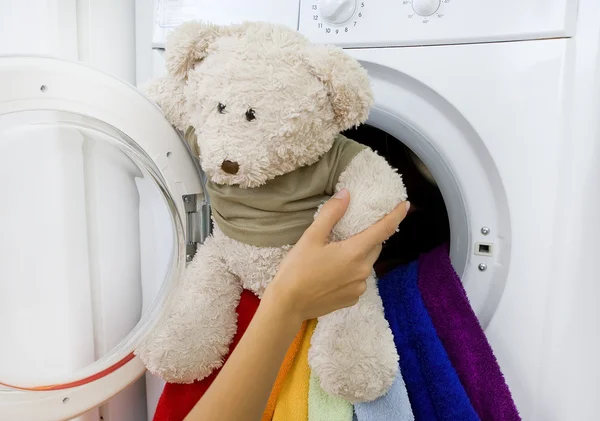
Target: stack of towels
448, 371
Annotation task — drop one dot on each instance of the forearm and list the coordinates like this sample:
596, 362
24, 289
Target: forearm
242, 388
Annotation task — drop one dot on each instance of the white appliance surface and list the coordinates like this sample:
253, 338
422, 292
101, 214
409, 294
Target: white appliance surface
499, 99
527, 156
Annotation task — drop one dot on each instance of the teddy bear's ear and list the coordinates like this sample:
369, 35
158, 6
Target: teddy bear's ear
188, 45
346, 81
167, 92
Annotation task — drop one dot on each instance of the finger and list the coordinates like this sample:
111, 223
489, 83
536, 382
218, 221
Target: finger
382, 230
329, 215
373, 255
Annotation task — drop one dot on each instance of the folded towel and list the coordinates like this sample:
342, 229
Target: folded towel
324, 407
463, 338
434, 389
177, 400
285, 368
393, 406
292, 403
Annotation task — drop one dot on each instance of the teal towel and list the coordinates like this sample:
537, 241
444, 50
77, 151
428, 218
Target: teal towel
393, 406
324, 407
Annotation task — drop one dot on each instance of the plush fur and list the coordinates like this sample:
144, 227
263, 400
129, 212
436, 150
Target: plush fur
353, 348
300, 97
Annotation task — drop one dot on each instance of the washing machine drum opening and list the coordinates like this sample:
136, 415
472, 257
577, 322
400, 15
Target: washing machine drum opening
427, 225
84, 221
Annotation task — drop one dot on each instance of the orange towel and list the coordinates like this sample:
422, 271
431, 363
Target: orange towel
292, 402
283, 371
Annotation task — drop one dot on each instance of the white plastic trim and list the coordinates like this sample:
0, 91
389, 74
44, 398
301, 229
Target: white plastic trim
464, 171
35, 83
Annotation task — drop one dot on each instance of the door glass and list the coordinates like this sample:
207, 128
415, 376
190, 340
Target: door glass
88, 238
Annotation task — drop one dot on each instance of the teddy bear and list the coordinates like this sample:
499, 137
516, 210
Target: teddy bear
264, 109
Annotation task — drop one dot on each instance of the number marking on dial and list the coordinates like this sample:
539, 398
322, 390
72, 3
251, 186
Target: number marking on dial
339, 16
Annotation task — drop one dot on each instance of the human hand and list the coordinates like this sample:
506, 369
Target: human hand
318, 276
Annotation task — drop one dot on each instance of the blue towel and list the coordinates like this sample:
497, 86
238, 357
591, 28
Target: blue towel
393, 406
434, 390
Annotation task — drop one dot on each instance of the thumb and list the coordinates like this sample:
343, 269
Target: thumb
329, 215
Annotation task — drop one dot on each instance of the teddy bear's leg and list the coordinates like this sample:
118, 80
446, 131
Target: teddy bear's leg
194, 333
352, 350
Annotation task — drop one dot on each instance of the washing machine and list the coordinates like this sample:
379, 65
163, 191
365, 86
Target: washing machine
486, 106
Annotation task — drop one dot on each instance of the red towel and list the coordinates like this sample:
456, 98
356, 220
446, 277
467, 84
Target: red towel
177, 400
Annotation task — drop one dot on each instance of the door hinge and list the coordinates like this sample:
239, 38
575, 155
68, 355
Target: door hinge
198, 223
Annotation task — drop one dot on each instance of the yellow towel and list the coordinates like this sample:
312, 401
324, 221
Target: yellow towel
292, 404
285, 368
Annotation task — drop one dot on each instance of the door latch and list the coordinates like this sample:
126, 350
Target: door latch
198, 223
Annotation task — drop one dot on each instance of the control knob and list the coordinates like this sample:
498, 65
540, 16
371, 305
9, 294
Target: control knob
425, 7
337, 12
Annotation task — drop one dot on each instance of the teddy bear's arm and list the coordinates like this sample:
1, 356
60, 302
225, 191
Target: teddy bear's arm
375, 190
353, 352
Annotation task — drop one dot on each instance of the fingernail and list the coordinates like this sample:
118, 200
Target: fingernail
407, 204
342, 194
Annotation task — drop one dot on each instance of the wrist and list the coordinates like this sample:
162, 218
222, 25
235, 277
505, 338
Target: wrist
281, 309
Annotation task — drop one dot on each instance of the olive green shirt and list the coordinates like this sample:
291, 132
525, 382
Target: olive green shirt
278, 212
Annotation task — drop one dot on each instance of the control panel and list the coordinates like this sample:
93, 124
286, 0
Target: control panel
381, 23
168, 14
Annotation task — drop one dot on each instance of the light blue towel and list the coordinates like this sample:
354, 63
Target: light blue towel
393, 406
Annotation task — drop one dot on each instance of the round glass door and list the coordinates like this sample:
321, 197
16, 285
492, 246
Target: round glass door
90, 242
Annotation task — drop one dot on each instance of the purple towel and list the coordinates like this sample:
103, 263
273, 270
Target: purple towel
463, 338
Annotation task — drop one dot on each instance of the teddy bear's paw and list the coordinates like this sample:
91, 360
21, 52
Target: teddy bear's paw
192, 337
189, 345
353, 351
187, 351
181, 360
357, 368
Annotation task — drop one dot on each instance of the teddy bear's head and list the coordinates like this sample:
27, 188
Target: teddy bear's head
262, 100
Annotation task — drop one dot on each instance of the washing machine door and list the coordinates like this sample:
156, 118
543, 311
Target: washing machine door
101, 205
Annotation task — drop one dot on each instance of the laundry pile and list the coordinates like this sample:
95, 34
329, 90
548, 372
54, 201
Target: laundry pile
448, 371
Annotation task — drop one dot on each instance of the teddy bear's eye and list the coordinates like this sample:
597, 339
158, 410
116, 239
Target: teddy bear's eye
221, 108
250, 115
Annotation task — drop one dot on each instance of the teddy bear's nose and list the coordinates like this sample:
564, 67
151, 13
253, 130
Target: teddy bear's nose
230, 167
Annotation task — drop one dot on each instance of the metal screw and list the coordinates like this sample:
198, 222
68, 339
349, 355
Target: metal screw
186, 199
189, 257
485, 230
482, 267
43, 88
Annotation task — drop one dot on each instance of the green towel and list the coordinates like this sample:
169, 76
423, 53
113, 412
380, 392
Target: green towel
323, 407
